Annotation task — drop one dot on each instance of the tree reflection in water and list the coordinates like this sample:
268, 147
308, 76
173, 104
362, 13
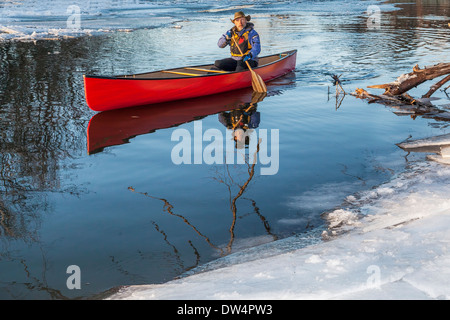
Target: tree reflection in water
231, 184
41, 129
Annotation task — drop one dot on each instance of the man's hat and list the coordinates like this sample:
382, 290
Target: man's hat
240, 14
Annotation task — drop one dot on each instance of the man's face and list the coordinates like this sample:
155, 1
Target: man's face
240, 23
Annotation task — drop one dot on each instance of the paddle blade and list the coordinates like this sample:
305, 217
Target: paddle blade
258, 97
258, 83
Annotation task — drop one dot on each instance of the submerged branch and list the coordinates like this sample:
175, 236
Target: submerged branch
337, 82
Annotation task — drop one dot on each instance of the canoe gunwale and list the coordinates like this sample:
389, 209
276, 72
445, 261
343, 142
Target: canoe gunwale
130, 77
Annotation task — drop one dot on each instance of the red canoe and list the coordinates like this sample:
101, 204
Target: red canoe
108, 93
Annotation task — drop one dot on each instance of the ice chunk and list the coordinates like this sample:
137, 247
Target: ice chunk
439, 158
445, 151
440, 140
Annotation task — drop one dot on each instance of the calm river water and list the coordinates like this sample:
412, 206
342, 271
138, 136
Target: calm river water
119, 207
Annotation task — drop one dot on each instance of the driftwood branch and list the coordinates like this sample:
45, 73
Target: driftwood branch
411, 80
396, 95
437, 86
405, 101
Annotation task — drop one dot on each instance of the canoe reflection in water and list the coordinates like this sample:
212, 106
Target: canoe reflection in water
117, 127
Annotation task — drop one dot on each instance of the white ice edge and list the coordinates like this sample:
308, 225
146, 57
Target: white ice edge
400, 249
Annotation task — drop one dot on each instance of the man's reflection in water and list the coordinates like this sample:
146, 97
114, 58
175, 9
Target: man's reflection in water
242, 121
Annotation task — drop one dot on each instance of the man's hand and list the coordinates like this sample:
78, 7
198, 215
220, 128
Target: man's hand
247, 57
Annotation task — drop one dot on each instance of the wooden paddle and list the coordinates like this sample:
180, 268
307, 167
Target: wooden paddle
257, 82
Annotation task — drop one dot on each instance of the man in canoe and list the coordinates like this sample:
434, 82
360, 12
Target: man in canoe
243, 35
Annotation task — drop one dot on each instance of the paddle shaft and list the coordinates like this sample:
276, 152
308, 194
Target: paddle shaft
257, 82
239, 48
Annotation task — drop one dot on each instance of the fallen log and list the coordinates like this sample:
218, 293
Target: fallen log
411, 80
